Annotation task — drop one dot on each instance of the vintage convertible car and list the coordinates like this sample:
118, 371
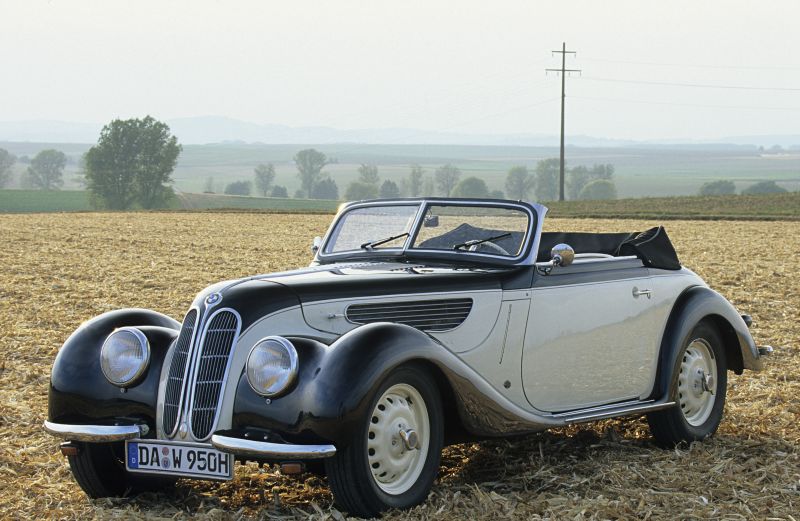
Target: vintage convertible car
420, 322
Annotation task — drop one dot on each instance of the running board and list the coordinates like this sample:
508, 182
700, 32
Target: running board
612, 411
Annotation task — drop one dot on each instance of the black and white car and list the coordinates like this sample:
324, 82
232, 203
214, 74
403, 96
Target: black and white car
420, 322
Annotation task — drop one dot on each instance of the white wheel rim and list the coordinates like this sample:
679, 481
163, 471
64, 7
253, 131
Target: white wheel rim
697, 382
395, 467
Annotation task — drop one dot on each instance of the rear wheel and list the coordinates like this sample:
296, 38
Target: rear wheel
99, 469
702, 383
394, 457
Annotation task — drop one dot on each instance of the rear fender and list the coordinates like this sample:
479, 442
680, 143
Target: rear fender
692, 306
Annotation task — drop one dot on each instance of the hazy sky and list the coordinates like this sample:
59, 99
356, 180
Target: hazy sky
459, 66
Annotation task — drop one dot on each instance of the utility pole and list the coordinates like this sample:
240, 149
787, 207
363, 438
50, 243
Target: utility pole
563, 70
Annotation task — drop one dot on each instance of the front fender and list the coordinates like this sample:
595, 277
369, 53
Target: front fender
79, 393
693, 305
337, 383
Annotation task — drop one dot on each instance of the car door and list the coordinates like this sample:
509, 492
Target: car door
592, 335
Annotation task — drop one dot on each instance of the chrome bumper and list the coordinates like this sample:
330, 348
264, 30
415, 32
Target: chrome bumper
267, 450
95, 433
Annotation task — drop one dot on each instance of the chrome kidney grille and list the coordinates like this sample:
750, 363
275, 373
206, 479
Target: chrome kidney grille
426, 315
177, 373
212, 365
198, 371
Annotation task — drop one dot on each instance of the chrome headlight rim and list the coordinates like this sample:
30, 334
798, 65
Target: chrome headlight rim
145, 345
293, 366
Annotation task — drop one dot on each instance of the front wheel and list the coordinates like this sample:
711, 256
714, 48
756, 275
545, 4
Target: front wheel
702, 382
99, 469
394, 456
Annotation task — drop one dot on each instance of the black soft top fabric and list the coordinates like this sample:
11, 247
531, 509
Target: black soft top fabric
652, 246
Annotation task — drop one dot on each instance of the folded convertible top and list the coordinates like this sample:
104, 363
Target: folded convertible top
652, 246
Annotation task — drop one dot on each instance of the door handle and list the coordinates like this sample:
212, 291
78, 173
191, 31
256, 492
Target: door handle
639, 292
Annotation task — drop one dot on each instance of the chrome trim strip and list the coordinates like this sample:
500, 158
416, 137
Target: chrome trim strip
264, 449
95, 433
223, 383
190, 355
615, 413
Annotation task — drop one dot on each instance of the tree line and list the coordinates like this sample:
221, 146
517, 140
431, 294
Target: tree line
133, 160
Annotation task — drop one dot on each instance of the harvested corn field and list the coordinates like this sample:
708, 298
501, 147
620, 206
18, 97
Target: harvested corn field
58, 270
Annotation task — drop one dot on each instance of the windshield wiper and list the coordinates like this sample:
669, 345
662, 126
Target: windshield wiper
371, 244
475, 242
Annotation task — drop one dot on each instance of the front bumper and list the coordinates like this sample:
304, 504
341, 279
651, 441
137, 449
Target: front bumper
271, 451
235, 446
95, 433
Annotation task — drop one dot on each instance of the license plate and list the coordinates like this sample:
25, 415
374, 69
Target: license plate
178, 459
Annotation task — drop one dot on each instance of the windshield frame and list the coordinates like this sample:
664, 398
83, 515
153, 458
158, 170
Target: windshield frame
524, 257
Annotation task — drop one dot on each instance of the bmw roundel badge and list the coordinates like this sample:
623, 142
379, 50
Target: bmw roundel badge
213, 298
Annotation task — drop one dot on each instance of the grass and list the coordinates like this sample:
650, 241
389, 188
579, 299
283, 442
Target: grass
749, 207
23, 201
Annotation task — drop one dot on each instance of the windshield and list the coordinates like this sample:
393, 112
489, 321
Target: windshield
457, 230
479, 229
370, 227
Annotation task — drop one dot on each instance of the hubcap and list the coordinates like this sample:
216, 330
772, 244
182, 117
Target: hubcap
397, 439
697, 382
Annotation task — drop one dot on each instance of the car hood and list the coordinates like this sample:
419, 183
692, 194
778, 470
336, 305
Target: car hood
257, 296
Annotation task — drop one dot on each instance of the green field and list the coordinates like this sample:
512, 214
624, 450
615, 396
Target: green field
27, 201
753, 207
641, 171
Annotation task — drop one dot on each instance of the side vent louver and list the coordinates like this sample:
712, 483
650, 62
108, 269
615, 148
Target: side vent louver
426, 315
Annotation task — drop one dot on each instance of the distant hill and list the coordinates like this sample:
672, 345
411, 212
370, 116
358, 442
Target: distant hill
220, 129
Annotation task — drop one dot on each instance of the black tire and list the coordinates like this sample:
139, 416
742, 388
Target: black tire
351, 479
670, 427
99, 469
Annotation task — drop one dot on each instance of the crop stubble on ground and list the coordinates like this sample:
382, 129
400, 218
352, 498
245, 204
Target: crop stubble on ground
58, 270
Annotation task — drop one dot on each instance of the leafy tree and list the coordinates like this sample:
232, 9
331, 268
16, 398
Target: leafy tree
471, 187
132, 162
415, 181
599, 189
389, 190
547, 172
208, 187
497, 194
326, 189
6, 162
447, 178
309, 164
280, 191
239, 188
577, 178
47, 170
764, 187
300, 194
265, 176
368, 174
427, 186
357, 191
721, 187
519, 183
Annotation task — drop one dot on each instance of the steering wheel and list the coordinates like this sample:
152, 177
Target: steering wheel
490, 246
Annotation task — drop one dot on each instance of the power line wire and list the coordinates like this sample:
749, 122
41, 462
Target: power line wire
697, 85
664, 64
698, 105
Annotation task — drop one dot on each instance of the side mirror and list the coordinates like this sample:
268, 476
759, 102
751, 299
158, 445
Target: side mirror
562, 255
315, 246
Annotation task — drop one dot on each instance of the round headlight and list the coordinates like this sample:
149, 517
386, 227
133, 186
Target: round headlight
124, 356
272, 366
